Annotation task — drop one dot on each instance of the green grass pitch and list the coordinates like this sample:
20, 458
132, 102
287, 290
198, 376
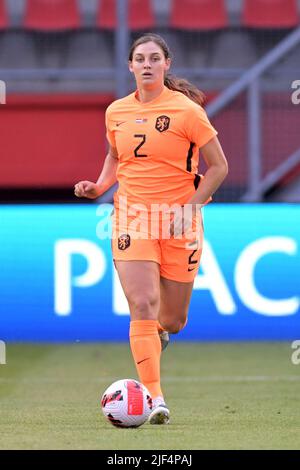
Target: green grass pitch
221, 396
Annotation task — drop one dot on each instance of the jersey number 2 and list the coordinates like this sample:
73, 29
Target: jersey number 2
143, 137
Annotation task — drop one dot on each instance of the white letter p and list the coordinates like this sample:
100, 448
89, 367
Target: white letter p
64, 249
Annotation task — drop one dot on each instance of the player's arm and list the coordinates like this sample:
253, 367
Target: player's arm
217, 169
105, 181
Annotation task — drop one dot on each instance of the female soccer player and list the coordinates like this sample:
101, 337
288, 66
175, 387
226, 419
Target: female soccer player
154, 139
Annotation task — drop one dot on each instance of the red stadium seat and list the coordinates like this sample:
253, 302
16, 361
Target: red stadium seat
51, 15
198, 14
270, 13
3, 15
140, 15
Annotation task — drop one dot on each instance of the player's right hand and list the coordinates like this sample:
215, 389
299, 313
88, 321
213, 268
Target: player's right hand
87, 189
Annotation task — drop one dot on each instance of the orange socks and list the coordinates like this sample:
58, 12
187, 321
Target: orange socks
146, 349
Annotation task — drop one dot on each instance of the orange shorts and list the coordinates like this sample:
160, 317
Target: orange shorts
178, 258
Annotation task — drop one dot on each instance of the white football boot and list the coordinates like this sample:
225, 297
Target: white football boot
164, 339
160, 413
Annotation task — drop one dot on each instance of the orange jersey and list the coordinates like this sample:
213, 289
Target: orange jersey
158, 146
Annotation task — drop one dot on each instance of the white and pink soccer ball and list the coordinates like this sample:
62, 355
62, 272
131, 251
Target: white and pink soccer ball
126, 403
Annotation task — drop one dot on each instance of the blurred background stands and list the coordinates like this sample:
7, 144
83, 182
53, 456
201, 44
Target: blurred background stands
71, 46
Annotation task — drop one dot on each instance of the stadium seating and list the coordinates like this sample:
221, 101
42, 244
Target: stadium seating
90, 49
270, 13
16, 52
51, 15
244, 56
198, 14
3, 15
140, 14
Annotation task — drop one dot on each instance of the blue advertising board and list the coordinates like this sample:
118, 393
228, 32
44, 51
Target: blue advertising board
58, 282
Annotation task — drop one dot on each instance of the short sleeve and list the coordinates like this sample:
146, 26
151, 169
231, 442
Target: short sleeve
198, 127
109, 133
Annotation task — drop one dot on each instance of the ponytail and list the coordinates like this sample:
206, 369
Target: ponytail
184, 86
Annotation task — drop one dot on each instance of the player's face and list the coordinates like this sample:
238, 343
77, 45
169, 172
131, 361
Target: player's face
149, 65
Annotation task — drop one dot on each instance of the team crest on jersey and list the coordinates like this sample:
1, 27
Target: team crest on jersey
162, 123
124, 241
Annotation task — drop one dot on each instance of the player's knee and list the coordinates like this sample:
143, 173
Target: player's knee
144, 307
174, 326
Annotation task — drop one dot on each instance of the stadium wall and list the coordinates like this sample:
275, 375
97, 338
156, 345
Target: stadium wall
41, 133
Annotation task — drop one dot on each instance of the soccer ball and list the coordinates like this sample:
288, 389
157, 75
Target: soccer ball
126, 403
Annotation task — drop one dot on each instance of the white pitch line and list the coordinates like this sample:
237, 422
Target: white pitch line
236, 378
203, 379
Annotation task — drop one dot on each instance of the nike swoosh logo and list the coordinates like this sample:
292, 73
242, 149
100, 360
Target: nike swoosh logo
143, 360
119, 123
191, 269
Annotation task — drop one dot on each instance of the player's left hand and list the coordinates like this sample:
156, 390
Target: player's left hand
180, 221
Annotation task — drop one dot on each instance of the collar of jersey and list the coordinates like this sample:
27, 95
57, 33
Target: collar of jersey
149, 103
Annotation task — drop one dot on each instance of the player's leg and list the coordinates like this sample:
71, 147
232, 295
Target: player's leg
174, 303
138, 264
175, 298
179, 266
141, 284
140, 281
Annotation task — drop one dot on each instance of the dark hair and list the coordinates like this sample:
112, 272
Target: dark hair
172, 82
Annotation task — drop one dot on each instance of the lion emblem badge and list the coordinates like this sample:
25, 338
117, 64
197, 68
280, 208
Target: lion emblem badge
123, 242
162, 123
